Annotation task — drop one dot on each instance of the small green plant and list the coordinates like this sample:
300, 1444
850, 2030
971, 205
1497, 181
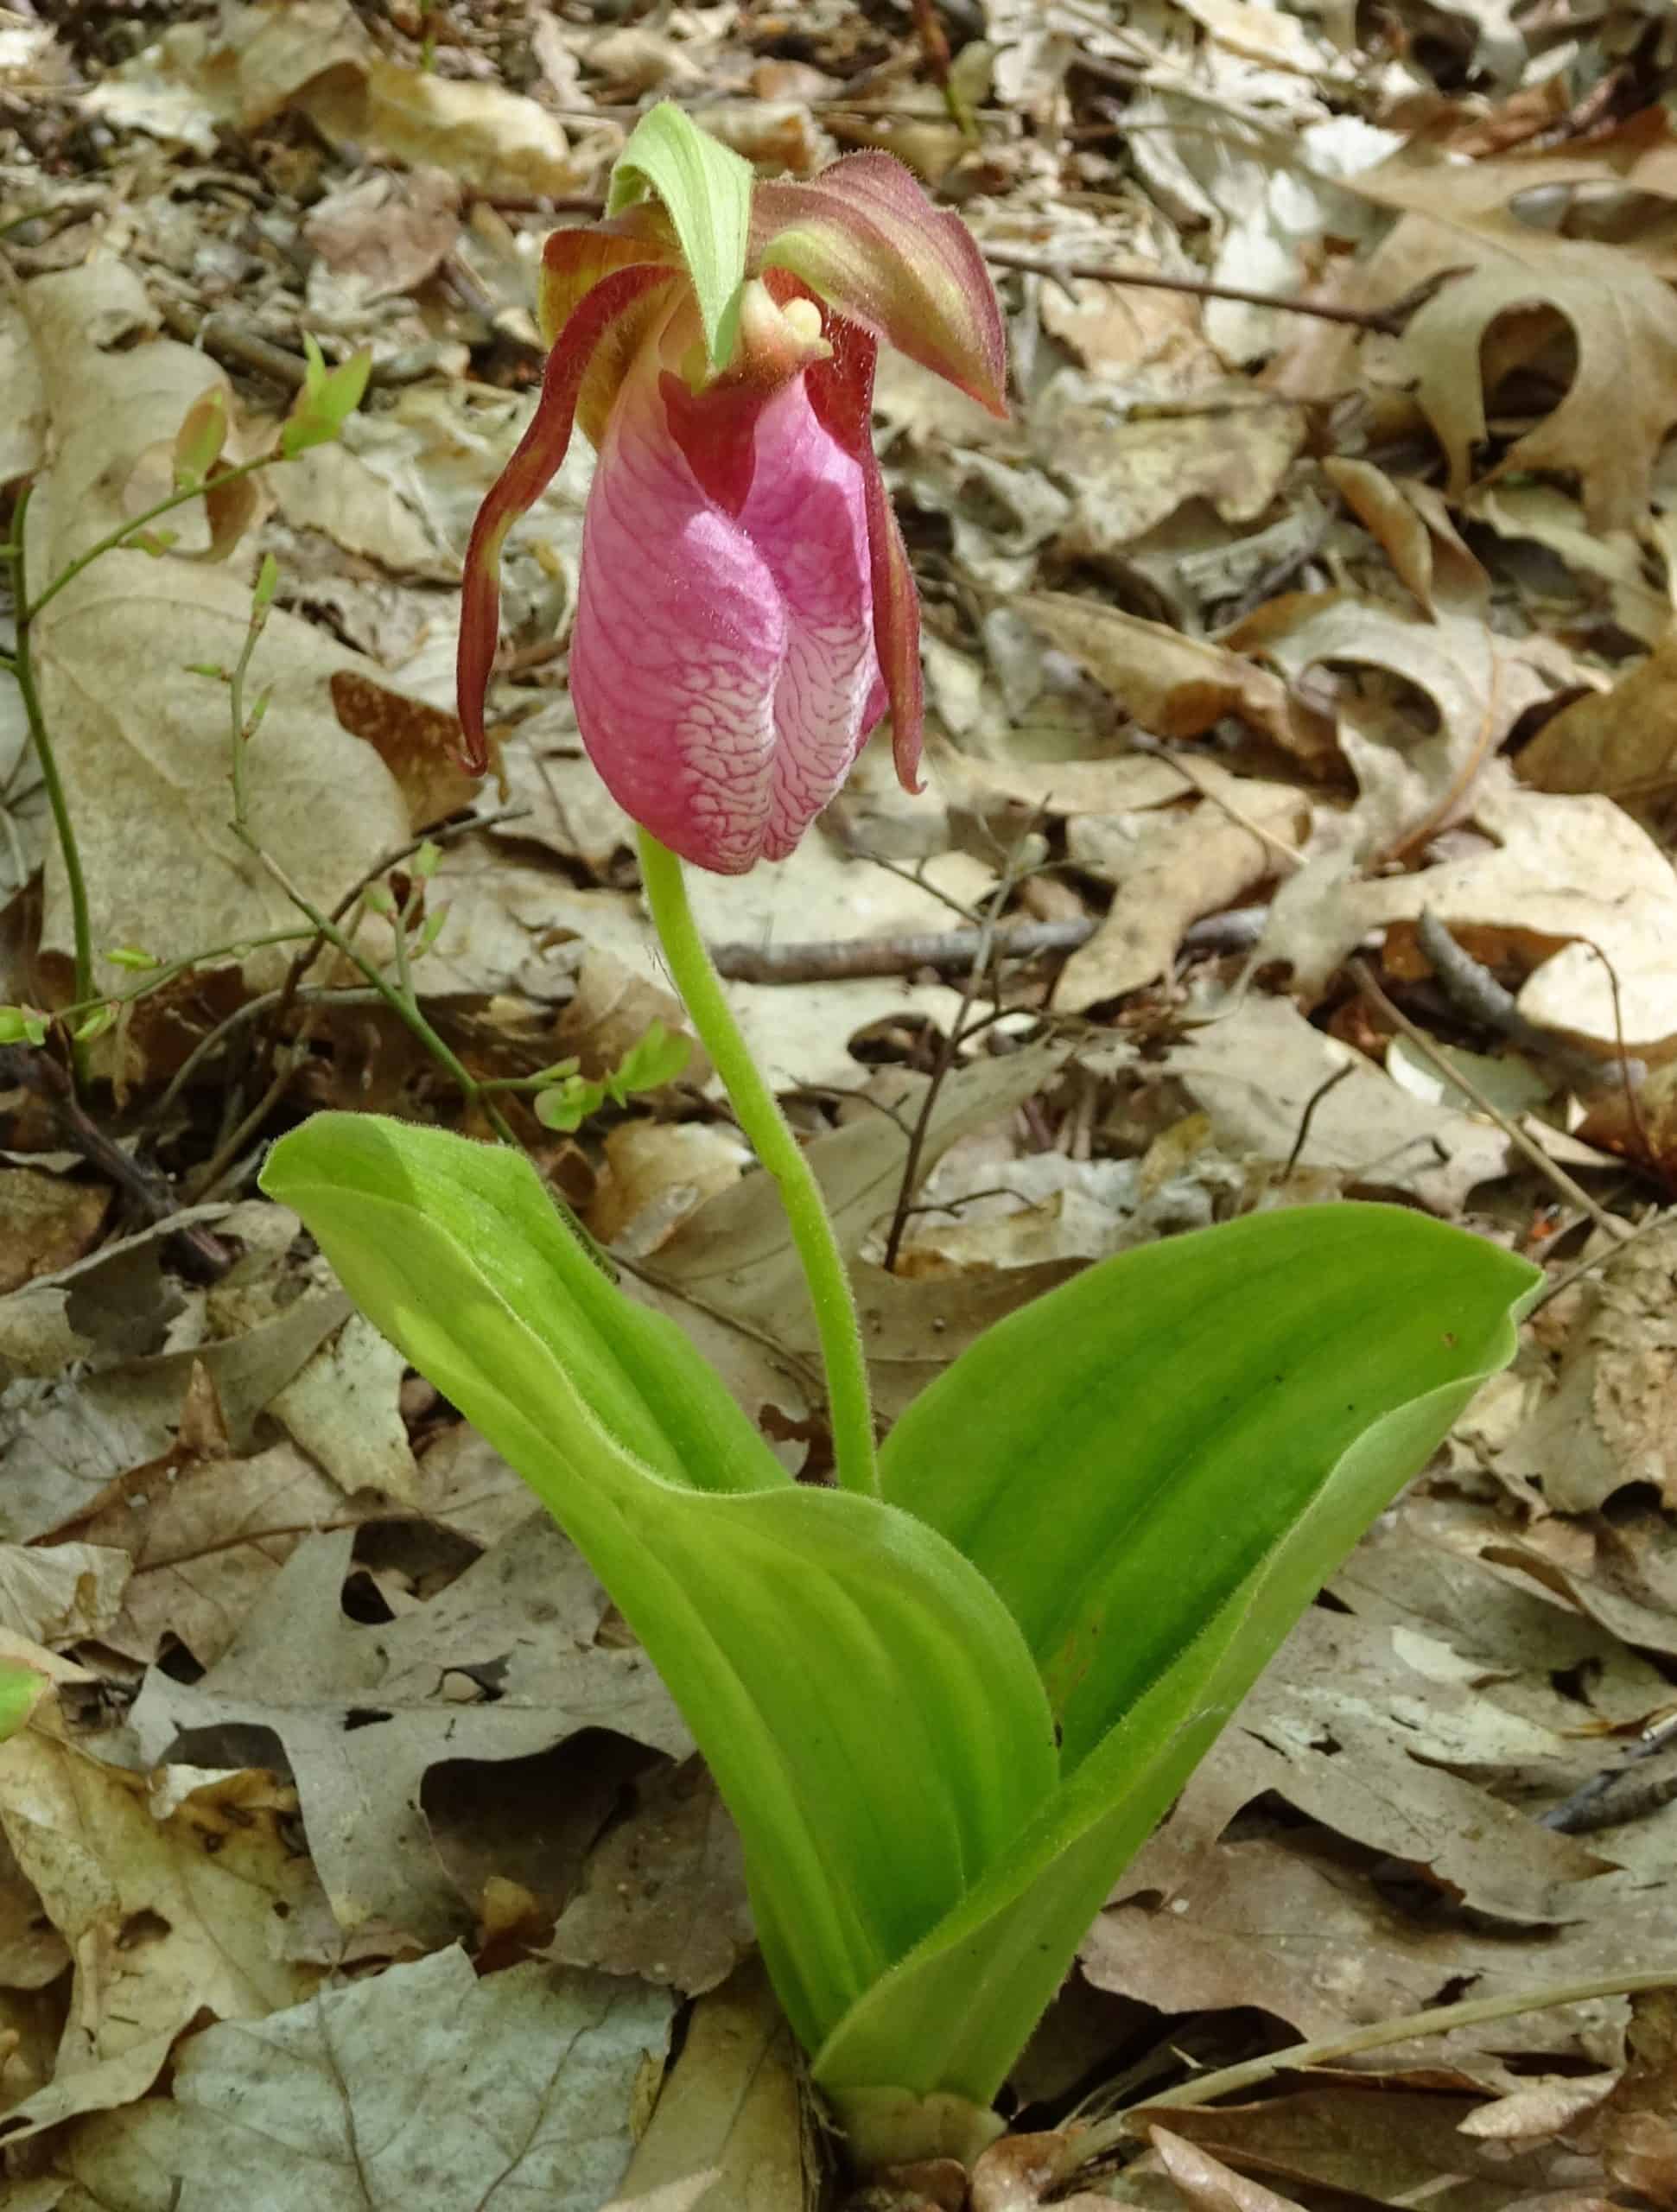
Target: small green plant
948, 1699
328, 398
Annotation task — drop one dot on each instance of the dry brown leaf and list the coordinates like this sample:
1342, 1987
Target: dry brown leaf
1014, 2174
252, 62
1563, 875
1621, 742
161, 1926
46, 1222
1413, 527
205, 1537
1607, 429
424, 2085
729, 2133
1379, 2143
664, 1893
1413, 782
735, 1253
1284, 1923
1129, 473
657, 1173
1207, 2183
343, 1406
462, 1483
332, 490
1638, 156
1636, 2128
1540, 2112
1113, 329
362, 1712
387, 232
61, 1593
1613, 1419
1363, 1733
491, 139
1180, 866
1173, 685
1522, 1641
1255, 1070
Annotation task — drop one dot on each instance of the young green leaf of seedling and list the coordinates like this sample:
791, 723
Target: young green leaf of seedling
567, 1105
328, 399
656, 1058
22, 1024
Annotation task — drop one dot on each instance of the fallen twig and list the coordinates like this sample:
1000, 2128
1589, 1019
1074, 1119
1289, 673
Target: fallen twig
1475, 992
836, 960
1607, 1799
1551, 1170
1390, 321
147, 1191
1083, 2149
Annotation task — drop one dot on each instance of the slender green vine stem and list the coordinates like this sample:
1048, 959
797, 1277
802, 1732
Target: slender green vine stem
405, 1006
113, 538
761, 1117
23, 672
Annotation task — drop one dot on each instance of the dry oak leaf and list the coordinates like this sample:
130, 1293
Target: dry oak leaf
363, 1712
423, 2088
1567, 882
1612, 1418
1173, 685
1415, 782
730, 2131
1169, 871
1609, 428
251, 63
162, 1925
1621, 742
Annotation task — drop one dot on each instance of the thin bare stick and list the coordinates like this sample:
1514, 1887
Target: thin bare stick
1553, 1173
826, 961
1601, 1802
1389, 321
951, 1046
1597, 1261
1093, 2143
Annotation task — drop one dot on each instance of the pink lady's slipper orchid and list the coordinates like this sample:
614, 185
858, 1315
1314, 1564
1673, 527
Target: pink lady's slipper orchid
745, 612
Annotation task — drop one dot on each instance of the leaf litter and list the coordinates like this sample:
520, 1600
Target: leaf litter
1258, 645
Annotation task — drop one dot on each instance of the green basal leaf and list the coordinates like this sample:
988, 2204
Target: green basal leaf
1156, 1466
706, 189
864, 1699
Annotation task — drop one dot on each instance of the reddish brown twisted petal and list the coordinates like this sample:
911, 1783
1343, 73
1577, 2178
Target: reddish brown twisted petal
522, 483
573, 263
865, 237
841, 394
